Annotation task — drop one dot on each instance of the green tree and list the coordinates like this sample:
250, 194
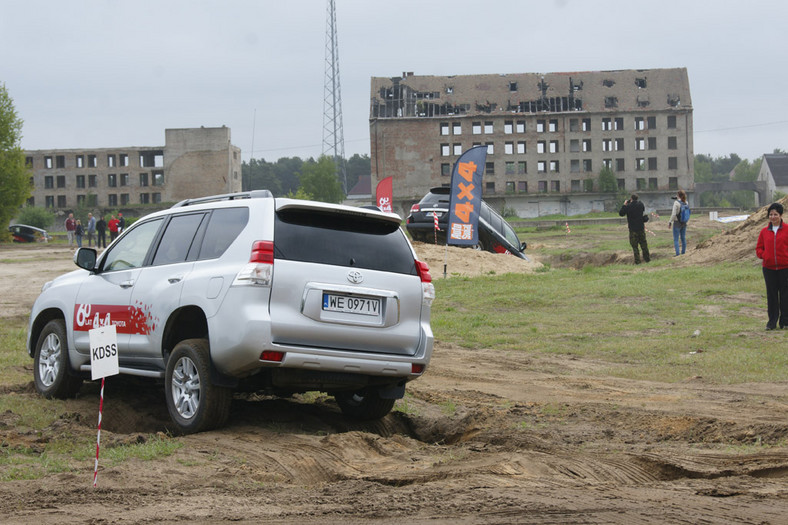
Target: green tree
14, 176
356, 166
319, 179
36, 216
607, 181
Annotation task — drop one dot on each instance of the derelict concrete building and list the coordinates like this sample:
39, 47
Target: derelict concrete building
548, 135
193, 162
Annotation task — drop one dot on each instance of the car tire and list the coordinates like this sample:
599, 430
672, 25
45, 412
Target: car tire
364, 404
51, 364
195, 404
480, 246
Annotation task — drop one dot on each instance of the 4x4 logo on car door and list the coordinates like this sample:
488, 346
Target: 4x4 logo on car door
355, 277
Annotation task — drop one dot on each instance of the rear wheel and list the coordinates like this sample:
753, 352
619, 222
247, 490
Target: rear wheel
194, 403
364, 404
50, 363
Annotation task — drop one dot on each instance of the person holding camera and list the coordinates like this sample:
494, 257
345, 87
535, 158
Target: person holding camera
636, 221
772, 248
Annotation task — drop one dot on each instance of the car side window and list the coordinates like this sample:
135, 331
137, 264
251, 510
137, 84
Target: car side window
224, 226
177, 239
131, 249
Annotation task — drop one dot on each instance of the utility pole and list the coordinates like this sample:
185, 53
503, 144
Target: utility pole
333, 136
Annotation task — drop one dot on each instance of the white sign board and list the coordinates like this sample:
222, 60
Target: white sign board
103, 352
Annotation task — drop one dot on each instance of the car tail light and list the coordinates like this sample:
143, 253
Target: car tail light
260, 269
427, 288
272, 355
414, 208
416, 368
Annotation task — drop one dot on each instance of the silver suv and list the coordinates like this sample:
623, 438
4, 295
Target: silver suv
245, 291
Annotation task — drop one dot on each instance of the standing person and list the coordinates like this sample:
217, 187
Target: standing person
113, 228
679, 227
101, 228
121, 222
70, 225
78, 232
636, 219
772, 248
91, 228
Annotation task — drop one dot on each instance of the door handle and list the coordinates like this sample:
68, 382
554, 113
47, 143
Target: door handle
127, 284
176, 279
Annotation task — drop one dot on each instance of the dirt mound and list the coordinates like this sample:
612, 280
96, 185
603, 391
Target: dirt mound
468, 262
736, 244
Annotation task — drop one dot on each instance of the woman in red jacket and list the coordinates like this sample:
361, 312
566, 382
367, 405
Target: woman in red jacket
772, 247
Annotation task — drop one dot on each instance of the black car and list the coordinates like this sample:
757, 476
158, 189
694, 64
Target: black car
25, 233
495, 234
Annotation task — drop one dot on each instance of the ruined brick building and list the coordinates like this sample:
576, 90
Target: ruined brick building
548, 135
193, 162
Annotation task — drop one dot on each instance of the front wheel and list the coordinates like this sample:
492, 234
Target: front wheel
194, 403
50, 363
364, 404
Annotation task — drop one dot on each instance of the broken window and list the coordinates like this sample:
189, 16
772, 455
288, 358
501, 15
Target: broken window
49, 182
80, 181
522, 186
92, 181
640, 183
574, 166
671, 121
445, 169
61, 201
554, 166
508, 148
607, 163
444, 128
652, 163
92, 161
110, 160
619, 123
652, 122
620, 165
520, 126
640, 124
79, 161
553, 125
61, 181
456, 128
92, 199
621, 184
476, 128
607, 124
49, 201
158, 178
555, 186
144, 198
512, 86
642, 102
456, 149
490, 148
124, 179
508, 127
652, 143
449, 90
489, 187
60, 161
488, 128
587, 165
553, 146
542, 186
608, 83
619, 144
522, 168
541, 166
640, 83
673, 163
48, 163
445, 150
124, 199
640, 164
640, 144
607, 144
574, 124
672, 143
124, 159
113, 199
509, 169
489, 168
674, 100
652, 183
611, 102
574, 146
673, 183
541, 146
575, 186
521, 147
540, 124
80, 200
112, 180
586, 144
586, 124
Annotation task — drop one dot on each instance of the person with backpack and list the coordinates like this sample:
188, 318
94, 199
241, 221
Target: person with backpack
679, 217
772, 248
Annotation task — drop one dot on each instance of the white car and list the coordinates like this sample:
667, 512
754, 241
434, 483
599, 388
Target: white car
245, 291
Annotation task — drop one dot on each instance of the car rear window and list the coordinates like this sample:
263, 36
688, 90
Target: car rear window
341, 239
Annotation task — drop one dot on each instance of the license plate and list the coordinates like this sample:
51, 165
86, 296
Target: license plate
351, 305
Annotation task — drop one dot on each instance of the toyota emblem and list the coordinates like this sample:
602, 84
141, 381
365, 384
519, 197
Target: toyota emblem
355, 277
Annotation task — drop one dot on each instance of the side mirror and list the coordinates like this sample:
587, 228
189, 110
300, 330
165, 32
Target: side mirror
522, 246
85, 258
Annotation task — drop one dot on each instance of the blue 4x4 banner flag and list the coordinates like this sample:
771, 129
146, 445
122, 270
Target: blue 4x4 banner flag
466, 197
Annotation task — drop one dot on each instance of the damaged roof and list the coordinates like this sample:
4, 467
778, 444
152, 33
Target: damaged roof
588, 91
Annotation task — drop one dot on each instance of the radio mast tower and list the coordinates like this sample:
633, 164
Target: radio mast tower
333, 137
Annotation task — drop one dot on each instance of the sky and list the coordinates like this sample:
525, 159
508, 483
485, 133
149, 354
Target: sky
117, 73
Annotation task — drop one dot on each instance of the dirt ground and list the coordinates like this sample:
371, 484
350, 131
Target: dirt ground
515, 439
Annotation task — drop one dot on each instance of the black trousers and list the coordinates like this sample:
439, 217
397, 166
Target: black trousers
776, 296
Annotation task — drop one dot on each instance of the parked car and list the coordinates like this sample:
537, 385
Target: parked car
245, 291
25, 233
495, 234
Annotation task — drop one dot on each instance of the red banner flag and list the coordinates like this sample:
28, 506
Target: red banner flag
384, 195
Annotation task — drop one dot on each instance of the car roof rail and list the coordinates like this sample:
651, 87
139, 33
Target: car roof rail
253, 194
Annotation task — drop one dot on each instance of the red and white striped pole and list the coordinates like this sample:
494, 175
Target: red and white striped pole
98, 436
435, 216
